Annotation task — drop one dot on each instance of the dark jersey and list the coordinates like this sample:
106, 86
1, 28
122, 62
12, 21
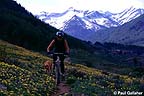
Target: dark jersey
59, 45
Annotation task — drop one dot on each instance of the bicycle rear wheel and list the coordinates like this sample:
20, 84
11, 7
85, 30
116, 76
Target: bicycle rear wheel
57, 74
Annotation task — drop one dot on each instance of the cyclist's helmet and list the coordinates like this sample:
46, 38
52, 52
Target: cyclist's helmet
59, 34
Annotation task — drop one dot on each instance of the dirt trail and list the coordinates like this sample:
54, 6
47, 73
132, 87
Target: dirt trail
63, 89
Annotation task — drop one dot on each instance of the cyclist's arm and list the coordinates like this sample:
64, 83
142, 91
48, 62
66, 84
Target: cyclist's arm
50, 45
66, 46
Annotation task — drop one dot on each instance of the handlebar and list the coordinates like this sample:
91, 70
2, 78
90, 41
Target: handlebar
56, 53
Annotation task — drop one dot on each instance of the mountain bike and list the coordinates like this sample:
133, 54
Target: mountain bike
57, 69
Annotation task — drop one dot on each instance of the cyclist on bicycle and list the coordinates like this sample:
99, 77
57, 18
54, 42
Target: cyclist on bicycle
60, 45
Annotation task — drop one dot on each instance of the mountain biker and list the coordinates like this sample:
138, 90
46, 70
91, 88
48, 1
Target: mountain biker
60, 45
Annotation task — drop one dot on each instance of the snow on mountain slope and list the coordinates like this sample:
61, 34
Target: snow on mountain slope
131, 33
83, 24
58, 20
76, 27
105, 19
128, 14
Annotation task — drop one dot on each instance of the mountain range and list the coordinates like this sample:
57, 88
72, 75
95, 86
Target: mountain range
131, 33
87, 25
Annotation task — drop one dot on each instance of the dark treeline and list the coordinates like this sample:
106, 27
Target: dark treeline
116, 46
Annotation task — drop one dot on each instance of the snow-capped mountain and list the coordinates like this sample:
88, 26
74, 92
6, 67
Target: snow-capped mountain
106, 19
128, 14
83, 23
131, 33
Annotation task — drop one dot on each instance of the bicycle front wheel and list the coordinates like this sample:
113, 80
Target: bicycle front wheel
57, 73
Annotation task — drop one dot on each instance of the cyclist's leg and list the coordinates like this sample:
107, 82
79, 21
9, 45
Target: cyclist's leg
54, 59
62, 64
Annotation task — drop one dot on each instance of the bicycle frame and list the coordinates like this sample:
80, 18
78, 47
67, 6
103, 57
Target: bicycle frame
58, 68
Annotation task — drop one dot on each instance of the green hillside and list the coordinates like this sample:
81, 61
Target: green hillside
22, 73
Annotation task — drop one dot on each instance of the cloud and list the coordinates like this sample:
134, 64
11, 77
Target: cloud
36, 6
107, 5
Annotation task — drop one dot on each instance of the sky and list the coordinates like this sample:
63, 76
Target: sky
115, 6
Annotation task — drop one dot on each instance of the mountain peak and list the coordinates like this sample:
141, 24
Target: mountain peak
71, 8
76, 18
75, 10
